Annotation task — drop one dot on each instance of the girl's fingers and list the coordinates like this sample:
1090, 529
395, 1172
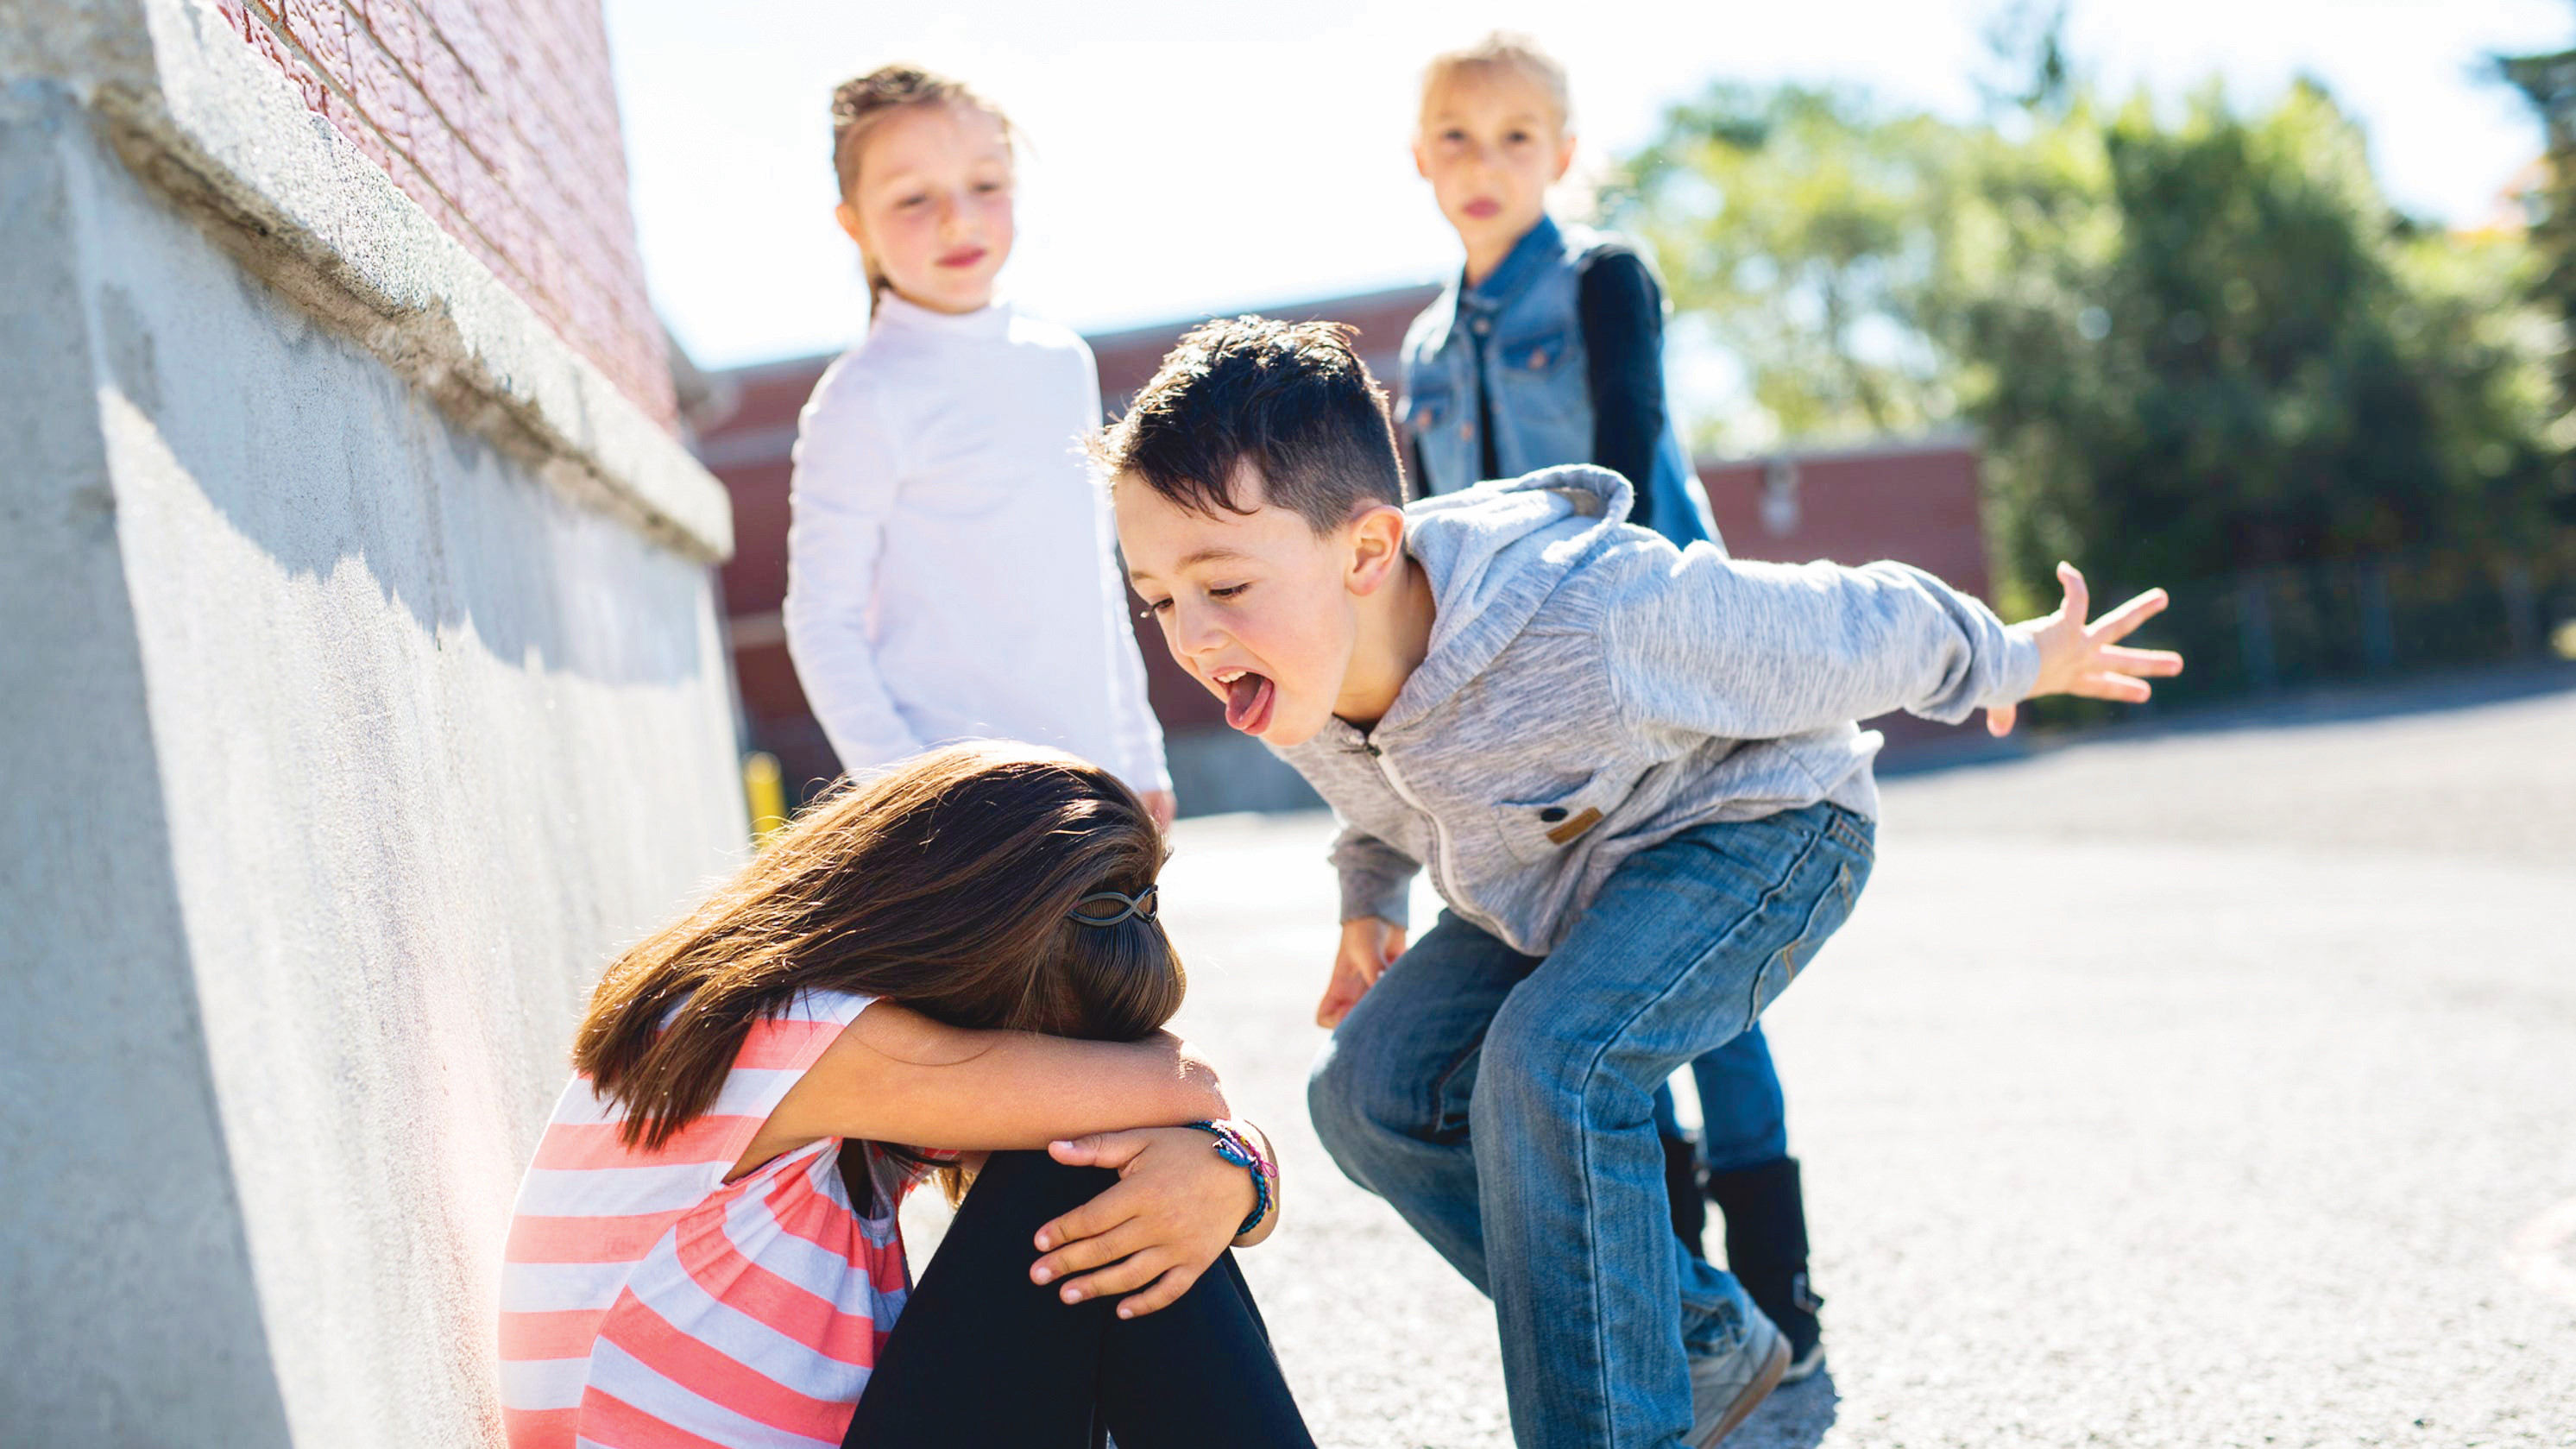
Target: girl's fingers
1090, 1220
1083, 1254
1164, 1292
1124, 1276
2078, 598
1999, 720
1075, 1152
1100, 1149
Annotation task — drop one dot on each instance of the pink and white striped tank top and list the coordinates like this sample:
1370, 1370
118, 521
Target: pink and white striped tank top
646, 1302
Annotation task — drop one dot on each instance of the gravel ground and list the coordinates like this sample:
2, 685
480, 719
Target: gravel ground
2211, 1085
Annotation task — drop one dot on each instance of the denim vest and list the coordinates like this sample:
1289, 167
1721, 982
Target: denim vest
1518, 337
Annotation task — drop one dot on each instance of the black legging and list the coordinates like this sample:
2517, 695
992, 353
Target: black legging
982, 1355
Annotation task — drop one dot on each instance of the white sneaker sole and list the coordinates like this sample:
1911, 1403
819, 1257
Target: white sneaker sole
1754, 1393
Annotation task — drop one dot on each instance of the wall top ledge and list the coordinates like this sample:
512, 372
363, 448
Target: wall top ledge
197, 115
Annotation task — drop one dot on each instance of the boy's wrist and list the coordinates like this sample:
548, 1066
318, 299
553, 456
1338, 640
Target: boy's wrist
1364, 897
2025, 661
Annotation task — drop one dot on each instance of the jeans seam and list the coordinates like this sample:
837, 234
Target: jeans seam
1437, 1117
1843, 887
1592, 1066
1840, 823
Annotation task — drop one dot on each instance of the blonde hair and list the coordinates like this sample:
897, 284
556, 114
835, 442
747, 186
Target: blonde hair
1506, 50
861, 104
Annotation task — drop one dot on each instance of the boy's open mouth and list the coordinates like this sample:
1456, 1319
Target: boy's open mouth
1248, 699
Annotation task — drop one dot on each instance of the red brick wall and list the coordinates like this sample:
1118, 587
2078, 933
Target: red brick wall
1916, 503
498, 117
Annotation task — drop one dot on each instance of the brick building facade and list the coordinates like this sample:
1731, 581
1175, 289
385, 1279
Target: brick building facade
500, 122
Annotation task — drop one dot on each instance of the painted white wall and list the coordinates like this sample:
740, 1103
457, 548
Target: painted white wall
340, 746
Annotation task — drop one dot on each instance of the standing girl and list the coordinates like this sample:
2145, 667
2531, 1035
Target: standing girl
1546, 350
957, 958
950, 564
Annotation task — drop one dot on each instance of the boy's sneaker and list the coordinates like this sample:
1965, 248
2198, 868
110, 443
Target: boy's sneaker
1725, 1387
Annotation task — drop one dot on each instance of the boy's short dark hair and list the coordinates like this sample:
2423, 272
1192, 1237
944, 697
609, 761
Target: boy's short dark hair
1289, 398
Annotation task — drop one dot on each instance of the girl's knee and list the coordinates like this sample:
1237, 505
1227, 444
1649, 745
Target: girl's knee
1032, 1187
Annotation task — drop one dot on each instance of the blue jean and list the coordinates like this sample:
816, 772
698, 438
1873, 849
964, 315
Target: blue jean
1743, 1120
1504, 1105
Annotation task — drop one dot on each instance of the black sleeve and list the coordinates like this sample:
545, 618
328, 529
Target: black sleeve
1622, 313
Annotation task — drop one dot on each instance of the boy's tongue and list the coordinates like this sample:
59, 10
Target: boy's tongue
1247, 702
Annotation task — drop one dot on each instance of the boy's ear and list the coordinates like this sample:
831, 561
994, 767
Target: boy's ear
1377, 548
1421, 158
1564, 157
848, 216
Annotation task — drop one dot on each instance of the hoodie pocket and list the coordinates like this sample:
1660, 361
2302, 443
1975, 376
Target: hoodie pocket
1542, 828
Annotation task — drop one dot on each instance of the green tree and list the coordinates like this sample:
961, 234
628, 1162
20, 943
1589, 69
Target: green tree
2193, 340
1797, 224
2549, 83
2241, 357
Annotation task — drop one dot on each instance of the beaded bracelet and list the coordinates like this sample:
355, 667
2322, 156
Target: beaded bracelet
1236, 1147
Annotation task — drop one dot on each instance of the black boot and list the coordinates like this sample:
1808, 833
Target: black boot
1681, 1184
1766, 1250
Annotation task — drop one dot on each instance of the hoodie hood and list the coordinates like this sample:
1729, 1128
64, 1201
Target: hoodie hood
1492, 554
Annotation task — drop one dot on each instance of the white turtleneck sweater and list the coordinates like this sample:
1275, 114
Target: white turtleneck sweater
951, 571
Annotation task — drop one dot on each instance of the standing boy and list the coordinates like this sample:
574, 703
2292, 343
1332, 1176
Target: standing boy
1632, 773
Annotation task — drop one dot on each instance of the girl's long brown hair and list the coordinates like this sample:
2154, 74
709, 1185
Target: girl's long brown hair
948, 884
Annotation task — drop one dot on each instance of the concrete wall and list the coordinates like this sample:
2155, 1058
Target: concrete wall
362, 689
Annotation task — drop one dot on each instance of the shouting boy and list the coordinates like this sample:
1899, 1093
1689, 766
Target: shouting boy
1633, 773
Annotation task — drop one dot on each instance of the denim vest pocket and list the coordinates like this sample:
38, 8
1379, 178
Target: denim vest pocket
1542, 400
1541, 828
1539, 353
1424, 408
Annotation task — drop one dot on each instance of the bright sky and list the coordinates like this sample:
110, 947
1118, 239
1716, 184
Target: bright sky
1186, 158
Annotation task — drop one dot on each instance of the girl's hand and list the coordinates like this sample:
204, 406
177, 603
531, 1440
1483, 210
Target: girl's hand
1175, 1208
1369, 946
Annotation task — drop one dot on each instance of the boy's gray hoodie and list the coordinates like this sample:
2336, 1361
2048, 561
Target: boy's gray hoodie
1591, 691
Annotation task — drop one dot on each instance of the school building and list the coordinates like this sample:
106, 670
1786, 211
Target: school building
1914, 500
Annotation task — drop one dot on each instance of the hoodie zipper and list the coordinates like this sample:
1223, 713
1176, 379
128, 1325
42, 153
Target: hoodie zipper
1441, 853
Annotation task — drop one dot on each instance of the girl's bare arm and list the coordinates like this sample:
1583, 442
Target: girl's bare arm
894, 1075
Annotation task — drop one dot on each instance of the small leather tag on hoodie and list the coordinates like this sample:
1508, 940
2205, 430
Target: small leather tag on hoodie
1574, 827
1586, 504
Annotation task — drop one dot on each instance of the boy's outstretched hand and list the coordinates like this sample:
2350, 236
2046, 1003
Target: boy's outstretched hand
2087, 659
1369, 946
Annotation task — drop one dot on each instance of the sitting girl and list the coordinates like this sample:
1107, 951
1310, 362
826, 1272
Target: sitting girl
956, 968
